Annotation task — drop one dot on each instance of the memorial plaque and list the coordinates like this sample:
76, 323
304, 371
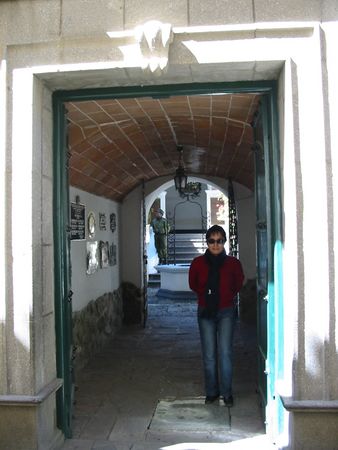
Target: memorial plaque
77, 222
104, 254
112, 254
113, 222
102, 221
93, 255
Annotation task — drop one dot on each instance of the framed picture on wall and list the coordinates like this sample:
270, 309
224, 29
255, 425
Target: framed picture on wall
77, 222
104, 254
92, 257
112, 254
102, 221
113, 222
91, 224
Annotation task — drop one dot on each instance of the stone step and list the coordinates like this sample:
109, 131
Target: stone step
154, 280
187, 242
154, 284
181, 260
183, 250
154, 277
187, 245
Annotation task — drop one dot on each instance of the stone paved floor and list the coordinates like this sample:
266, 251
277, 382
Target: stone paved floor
119, 390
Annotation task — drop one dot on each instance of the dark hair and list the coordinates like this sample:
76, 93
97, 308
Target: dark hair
216, 229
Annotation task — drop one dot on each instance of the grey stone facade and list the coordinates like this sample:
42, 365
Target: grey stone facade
48, 45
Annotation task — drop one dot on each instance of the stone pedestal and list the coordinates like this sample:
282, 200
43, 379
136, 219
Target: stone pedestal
175, 282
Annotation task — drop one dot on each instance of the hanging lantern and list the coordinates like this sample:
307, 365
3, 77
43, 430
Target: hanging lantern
180, 175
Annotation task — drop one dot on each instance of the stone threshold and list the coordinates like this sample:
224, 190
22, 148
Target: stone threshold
309, 406
32, 400
176, 295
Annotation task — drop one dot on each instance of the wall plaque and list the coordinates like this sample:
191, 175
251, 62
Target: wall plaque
102, 221
91, 223
93, 255
112, 254
113, 222
77, 221
104, 254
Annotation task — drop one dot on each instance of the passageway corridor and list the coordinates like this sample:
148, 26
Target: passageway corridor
145, 390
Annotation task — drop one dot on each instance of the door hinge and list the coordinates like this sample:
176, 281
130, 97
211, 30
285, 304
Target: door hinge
261, 225
263, 295
70, 295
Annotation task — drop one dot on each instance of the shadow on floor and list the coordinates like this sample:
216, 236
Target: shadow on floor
143, 369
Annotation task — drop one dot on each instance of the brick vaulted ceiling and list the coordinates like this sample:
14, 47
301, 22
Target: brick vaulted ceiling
116, 143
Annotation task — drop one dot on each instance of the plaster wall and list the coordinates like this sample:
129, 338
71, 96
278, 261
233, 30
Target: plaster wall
70, 49
90, 287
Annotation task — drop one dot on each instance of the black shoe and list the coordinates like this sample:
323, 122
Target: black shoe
228, 401
211, 399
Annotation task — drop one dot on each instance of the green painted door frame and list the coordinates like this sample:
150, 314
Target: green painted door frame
62, 270
268, 90
262, 248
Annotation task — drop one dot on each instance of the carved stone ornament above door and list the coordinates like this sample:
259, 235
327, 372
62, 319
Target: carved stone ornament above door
154, 39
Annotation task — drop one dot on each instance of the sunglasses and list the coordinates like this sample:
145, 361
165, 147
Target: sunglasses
215, 241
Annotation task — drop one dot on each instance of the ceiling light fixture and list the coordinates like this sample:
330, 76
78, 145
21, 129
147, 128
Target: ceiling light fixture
180, 175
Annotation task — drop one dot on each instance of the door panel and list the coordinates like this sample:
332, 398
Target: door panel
260, 145
268, 261
63, 292
145, 259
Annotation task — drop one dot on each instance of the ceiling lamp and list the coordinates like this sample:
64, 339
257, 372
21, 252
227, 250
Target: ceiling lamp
180, 176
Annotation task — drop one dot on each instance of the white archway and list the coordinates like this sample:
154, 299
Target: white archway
151, 197
149, 200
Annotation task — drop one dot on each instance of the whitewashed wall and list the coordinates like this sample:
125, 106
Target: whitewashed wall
89, 287
188, 215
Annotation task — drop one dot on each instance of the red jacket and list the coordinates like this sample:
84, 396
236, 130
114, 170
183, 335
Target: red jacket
231, 280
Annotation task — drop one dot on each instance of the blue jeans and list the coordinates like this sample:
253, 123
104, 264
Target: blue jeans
216, 340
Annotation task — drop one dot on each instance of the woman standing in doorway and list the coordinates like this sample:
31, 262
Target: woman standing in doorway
216, 278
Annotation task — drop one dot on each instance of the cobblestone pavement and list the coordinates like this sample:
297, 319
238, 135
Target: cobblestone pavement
118, 392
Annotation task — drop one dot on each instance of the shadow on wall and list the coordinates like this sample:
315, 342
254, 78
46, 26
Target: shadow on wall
248, 302
133, 304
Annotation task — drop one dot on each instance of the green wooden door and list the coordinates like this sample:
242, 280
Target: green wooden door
268, 265
144, 258
63, 292
261, 253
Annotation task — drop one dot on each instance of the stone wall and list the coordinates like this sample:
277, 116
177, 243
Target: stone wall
95, 325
